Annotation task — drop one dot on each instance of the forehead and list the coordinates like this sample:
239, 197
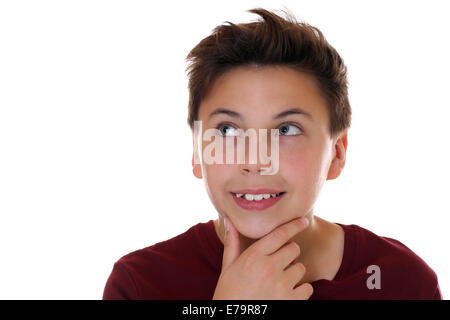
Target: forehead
268, 89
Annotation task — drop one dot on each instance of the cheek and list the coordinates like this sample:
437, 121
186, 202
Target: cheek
217, 180
302, 175
217, 175
300, 168
294, 167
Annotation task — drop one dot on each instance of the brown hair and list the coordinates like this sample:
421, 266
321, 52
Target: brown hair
271, 41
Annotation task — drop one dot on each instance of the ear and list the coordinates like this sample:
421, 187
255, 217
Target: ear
196, 168
339, 152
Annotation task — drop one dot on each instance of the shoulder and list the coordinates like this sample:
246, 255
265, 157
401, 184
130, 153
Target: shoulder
151, 272
176, 246
402, 270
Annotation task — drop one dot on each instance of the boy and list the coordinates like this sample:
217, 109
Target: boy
267, 242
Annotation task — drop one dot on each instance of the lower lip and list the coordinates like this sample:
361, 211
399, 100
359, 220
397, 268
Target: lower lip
256, 205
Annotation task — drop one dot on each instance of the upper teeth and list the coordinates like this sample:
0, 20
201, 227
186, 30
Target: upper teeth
257, 197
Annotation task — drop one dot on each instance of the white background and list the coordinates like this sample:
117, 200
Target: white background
95, 151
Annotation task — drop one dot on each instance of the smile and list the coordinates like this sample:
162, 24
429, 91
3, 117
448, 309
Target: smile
257, 201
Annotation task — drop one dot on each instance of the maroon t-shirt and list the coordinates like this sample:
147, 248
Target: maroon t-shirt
188, 267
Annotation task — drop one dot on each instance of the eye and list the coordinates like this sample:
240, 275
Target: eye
227, 130
284, 129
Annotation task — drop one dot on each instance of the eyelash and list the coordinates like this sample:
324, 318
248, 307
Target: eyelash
284, 123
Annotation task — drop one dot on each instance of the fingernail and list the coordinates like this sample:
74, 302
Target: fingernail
305, 220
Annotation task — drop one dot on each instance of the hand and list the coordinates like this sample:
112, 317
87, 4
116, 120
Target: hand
264, 270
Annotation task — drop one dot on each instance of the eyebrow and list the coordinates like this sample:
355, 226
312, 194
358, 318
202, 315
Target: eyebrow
282, 114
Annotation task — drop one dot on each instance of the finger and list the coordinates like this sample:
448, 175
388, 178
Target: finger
231, 250
294, 274
278, 237
286, 254
304, 291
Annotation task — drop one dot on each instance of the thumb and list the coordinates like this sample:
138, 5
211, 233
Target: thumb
231, 250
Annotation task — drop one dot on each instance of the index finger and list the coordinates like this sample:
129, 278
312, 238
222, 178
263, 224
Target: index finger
279, 236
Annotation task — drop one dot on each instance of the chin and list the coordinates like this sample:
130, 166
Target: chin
254, 229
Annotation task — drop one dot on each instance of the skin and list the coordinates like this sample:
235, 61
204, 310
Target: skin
307, 158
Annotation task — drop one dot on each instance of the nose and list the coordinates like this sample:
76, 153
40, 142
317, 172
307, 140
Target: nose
253, 166
250, 168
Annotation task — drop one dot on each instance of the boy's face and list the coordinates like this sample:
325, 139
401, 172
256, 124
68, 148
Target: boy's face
307, 155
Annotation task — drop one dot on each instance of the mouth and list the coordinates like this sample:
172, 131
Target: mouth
257, 196
257, 201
